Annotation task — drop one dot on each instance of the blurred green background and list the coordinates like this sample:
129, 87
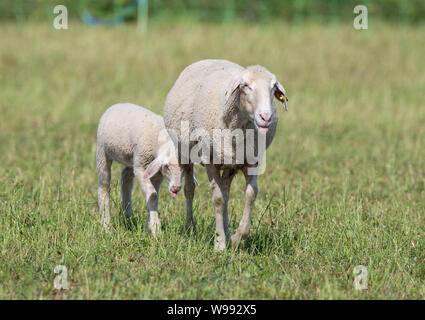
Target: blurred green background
294, 11
345, 178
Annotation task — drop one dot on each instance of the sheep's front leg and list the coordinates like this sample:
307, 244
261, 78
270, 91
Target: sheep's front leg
189, 192
150, 188
219, 200
251, 190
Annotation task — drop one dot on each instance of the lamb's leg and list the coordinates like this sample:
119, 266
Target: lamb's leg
220, 203
189, 192
151, 195
153, 219
103, 164
251, 190
127, 177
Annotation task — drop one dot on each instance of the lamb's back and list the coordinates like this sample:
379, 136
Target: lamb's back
127, 128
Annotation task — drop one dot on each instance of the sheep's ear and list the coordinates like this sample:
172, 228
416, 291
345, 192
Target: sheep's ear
232, 88
280, 94
152, 169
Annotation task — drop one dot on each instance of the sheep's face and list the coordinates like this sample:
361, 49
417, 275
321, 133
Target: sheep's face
257, 88
256, 99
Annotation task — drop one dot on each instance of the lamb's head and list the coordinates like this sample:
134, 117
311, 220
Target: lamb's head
256, 87
166, 162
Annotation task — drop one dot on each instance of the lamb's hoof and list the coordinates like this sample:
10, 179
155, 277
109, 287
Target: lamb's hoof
155, 233
154, 230
107, 229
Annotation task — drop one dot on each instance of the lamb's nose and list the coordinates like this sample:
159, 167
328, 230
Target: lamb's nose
266, 117
175, 189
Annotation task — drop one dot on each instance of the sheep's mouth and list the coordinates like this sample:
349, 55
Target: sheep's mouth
263, 129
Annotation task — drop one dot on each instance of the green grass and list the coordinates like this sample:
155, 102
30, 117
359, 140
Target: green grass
344, 184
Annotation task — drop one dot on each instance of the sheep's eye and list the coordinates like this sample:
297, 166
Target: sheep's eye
247, 87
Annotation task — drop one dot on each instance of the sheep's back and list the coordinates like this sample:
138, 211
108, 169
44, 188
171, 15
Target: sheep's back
198, 94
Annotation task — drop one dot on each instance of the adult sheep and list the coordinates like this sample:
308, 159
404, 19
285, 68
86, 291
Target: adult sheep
211, 95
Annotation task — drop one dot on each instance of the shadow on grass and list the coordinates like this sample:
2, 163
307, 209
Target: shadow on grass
262, 241
120, 221
266, 241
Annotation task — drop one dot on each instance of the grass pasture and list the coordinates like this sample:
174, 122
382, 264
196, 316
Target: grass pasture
344, 184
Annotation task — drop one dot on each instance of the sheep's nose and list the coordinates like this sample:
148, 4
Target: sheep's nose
175, 189
266, 117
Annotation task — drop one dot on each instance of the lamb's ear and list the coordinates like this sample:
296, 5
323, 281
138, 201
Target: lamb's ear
152, 169
280, 94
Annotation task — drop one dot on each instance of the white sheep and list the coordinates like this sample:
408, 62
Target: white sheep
136, 138
219, 94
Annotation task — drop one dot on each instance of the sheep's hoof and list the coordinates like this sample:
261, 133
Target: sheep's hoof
219, 244
236, 241
190, 229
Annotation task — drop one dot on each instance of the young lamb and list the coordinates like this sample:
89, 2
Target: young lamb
219, 94
136, 138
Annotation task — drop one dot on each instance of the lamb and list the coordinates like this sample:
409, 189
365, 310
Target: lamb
136, 138
219, 94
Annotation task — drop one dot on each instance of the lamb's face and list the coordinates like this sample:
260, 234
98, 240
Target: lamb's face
172, 171
257, 90
166, 162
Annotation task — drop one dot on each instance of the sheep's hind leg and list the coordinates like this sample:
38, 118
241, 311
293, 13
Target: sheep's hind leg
127, 177
226, 179
189, 192
251, 190
103, 164
150, 188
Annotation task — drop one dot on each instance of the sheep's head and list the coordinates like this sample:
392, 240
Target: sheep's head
257, 87
166, 162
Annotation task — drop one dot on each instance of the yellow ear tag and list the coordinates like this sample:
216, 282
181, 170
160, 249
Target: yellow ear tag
281, 97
